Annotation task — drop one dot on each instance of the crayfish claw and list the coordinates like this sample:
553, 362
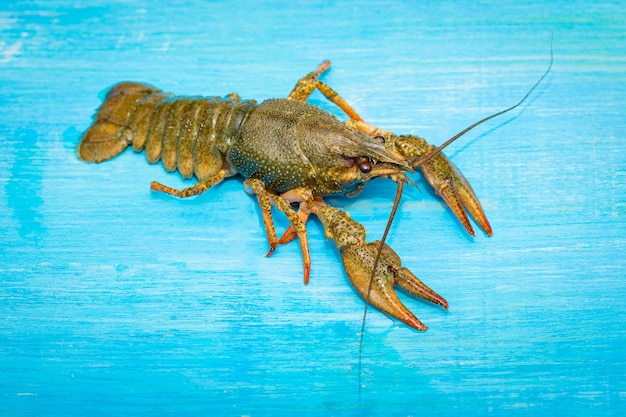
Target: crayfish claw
456, 191
359, 258
449, 195
378, 290
406, 280
445, 178
412, 284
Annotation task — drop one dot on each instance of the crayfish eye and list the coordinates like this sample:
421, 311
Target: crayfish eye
379, 139
365, 164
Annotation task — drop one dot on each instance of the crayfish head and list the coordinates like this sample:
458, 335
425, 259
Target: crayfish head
346, 157
394, 167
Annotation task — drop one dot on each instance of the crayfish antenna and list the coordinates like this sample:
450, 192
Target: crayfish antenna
392, 215
422, 160
405, 278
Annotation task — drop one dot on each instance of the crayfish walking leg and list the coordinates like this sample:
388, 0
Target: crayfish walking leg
282, 202
196, 189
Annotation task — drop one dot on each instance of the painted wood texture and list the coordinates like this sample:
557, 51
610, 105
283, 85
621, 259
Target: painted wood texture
117, 301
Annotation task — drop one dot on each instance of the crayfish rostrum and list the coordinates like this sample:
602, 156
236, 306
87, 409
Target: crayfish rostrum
291, 155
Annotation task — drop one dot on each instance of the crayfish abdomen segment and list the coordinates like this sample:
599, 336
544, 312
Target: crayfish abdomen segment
191, 134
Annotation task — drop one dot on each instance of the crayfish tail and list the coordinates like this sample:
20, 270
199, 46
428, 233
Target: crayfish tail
103, 141
111, 132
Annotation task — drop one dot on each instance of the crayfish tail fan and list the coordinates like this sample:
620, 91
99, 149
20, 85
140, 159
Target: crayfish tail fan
118, 121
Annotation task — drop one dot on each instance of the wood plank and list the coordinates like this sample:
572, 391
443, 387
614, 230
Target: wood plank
117, 301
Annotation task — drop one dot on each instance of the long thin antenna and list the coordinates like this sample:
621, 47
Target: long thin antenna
396, 203
419, 162
439, 148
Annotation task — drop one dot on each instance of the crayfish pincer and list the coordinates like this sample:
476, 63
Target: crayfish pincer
291, 155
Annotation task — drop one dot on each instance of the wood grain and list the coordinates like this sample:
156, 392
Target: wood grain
116, 301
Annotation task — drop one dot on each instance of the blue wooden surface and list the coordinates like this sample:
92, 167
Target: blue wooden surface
116, 301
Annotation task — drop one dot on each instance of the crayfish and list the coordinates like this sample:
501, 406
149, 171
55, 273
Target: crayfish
291, 155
